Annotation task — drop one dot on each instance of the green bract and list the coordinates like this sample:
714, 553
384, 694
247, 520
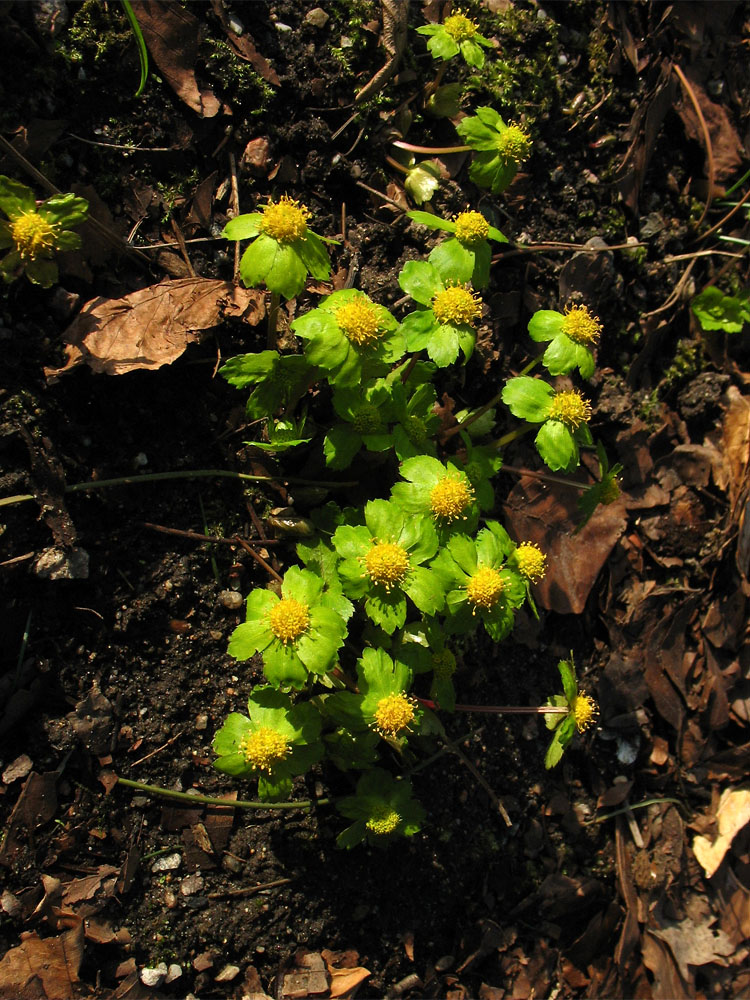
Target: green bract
279, 380
350, 337
416, 420
423, 648
564, 418
382, 704
278, 741
581, 713
457, 33
442, 494
605, 492
34, 233
383, 808
445, 325
480, 584
283, 252
500, 148
422, 180
382, 563
297, 633
366, 416
466, 257
573, 334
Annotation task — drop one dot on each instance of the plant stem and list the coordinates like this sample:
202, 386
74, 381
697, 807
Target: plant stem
154, 477
512, 436
488, 406
396, 165
273, 316
409, 368
430, 150
545, 477
505, 709
210, 800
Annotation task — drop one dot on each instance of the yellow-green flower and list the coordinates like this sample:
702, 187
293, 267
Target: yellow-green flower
457, 34
35, 233
573, 335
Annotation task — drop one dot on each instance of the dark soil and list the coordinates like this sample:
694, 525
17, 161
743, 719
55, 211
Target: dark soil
470, 906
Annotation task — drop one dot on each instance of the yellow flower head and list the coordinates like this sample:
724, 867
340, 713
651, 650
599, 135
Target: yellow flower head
513, 144
484, 588
359, 322
456, 305
471, 228
393, 713
387, 564
383, 820
263, 748
289, 619
33, 235
581, 326
531, 561
450, 497
285, 220
460, 27
571, 409
585, 711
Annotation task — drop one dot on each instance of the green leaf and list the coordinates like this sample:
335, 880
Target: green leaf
528, 398
283, 667
716, 311
472, 53
386, 608
340, 446
287, 274
314, 255
553, 719
248, 369
545, 324
443, 347
453, 261
67, 241
557, 446
488, 171
426, 589
421, 280
419, 328
554, 752
243, 227
431, 220
422, 181
65, 209
442, 46
227, 739
464, 552
568, 675
318, 647
274, 787
42, 272
477, 134
15, 198
354, 834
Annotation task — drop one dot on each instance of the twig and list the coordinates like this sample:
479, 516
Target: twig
18, 559
235, 213
383, 197
197, 537
706, 138
249, 890
153, 753
259, 559
125, 149
183, 249
210, 800
467, 763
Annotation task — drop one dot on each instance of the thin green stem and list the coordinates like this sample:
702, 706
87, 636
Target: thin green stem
512, 436
142, 51
154, 477
430, 150
211, 800
488, 406
637, 805
396, 165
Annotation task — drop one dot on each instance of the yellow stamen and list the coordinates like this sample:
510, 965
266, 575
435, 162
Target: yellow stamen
383, 820
393, 713
513, 144
289, 619
471, 228
32, 235
387, 564
460, 27
285, 220
585, 711
484, 588
531, 561
450, 497
571, 409
359, 322
581, 326
263, 748
456, 305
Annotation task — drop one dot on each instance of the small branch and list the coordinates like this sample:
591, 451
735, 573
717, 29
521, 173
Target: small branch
504, 709
249, 890
480, 779
197, 537
544, 477
210, 800
430, 150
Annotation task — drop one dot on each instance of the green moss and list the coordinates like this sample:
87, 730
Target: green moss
237, 78
96, 29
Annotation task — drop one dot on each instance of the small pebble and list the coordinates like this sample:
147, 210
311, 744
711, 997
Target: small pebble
227, 974
154, 976
231, 599
201, 722
192, 884
167, 864
317, 17
174, 972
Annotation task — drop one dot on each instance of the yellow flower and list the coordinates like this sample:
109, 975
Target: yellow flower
289, 619
484, 588
460, 27
581, 326
531, 561
393, 713
513, 144
383, 820
387, 564
571, 409
585, 711
456, 305
359, 322
285, 220
33, 235
471, 228
450, 497
263, 748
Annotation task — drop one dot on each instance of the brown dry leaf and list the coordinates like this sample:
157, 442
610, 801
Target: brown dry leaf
85, 888
152, 327
36, 804
536, 514
695, 944
345, 974
732, 815
735, 445
44, 968
172, 35
657, 957
728, 154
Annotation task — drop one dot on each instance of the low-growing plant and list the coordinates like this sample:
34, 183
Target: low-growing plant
35, 232
362, 643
